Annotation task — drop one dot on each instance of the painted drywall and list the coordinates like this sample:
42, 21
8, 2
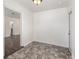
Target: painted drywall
16, 26
48, 26
51, 27
73, 34
26, 20
73, 29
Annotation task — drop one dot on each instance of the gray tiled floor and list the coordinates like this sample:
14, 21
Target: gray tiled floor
37, 50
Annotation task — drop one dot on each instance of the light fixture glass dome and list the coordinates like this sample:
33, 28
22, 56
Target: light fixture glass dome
37, 2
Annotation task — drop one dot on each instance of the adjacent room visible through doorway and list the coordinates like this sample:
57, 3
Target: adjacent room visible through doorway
39, 29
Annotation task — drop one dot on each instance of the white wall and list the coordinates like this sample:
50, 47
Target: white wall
48, 26
26, 20
73, 34
73, 28
51, 27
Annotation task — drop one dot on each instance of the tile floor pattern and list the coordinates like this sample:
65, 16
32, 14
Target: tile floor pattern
37, 50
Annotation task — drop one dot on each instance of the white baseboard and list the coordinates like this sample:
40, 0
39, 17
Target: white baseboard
50, 43
26, 43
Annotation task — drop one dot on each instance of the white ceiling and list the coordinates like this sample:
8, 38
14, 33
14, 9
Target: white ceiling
45, 5
11, 13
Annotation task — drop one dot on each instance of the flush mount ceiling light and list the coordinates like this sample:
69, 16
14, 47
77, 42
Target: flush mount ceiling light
37, 2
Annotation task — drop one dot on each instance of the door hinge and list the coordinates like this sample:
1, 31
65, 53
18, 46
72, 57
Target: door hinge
68, 33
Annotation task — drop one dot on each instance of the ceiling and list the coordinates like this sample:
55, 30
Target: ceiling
11, 13
45, 5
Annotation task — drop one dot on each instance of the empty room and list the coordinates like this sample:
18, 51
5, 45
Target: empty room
39, 29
